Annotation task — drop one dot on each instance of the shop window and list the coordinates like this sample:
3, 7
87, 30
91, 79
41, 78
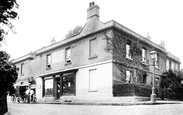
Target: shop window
93, 80
49, 87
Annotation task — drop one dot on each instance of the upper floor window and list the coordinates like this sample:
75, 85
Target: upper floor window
93, 48
144, 55
128, 54
68, 55
48, 61
176, 67
172, 66
167, 65
157, 61
21, 71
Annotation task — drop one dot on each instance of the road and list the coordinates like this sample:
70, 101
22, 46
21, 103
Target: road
56, 109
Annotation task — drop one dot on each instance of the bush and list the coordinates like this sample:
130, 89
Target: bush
131, 90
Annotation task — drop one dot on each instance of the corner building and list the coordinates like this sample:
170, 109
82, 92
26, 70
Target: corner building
82, 68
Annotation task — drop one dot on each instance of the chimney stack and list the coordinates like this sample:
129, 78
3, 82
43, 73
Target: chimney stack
53, 41
148, 37
162, 44
93, 11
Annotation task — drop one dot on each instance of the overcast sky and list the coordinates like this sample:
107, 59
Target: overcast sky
41, 20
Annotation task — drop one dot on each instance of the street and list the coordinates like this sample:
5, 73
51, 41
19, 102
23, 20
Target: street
57, 109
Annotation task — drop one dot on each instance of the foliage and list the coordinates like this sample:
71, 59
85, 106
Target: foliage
117, 46
6, 14
8, 74
74, 32
131, 90
171, 84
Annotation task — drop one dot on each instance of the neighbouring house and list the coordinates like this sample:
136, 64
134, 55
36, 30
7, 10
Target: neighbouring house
104, 62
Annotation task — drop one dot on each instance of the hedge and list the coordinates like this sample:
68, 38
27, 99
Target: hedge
131, 90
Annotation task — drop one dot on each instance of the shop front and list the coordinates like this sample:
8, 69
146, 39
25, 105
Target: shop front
59, 84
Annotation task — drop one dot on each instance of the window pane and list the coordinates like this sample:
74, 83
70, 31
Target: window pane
167, 64
128, 51
128, 76
143, 55
68, 55
48, 63
49, 87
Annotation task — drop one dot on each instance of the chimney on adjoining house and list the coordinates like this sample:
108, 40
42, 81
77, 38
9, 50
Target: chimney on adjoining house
93, 11
148, 37
53, 41
162, 44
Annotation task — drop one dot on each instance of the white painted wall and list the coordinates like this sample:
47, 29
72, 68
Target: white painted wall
104, 83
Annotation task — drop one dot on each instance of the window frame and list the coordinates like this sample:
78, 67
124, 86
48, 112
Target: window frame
48, 63
157, 58
68, 59
91, 82
144, 57
90, 49
131, 75
128, 54
21, 70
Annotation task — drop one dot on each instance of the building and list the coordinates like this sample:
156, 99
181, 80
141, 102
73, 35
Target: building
89, 65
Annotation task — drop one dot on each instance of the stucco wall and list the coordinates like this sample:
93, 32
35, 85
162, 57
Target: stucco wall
104, 82
79, 54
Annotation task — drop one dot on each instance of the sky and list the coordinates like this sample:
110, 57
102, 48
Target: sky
41, 20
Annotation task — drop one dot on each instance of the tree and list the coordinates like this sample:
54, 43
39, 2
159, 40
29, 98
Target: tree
171, 84
8, 71
74, 32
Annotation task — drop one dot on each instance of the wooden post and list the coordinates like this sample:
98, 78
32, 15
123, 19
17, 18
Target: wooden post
43, 87
61, 91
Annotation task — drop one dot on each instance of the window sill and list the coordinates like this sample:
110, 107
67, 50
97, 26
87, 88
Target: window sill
129, 58
69, 63
93, 57
48, 95
48, 68
93, 91
144, 63
157, 67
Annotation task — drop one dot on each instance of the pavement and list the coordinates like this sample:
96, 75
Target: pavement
110, 103
115, 103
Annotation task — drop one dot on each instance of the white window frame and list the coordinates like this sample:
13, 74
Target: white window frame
128, 54
68, 55
93, 80
129, 75
167, 64
48, 61
144, 57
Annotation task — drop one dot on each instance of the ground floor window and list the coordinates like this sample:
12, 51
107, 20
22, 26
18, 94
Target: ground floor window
48, 87
128, 76
93, 80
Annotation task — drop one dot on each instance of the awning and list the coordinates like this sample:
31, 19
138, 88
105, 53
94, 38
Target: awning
58, 72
